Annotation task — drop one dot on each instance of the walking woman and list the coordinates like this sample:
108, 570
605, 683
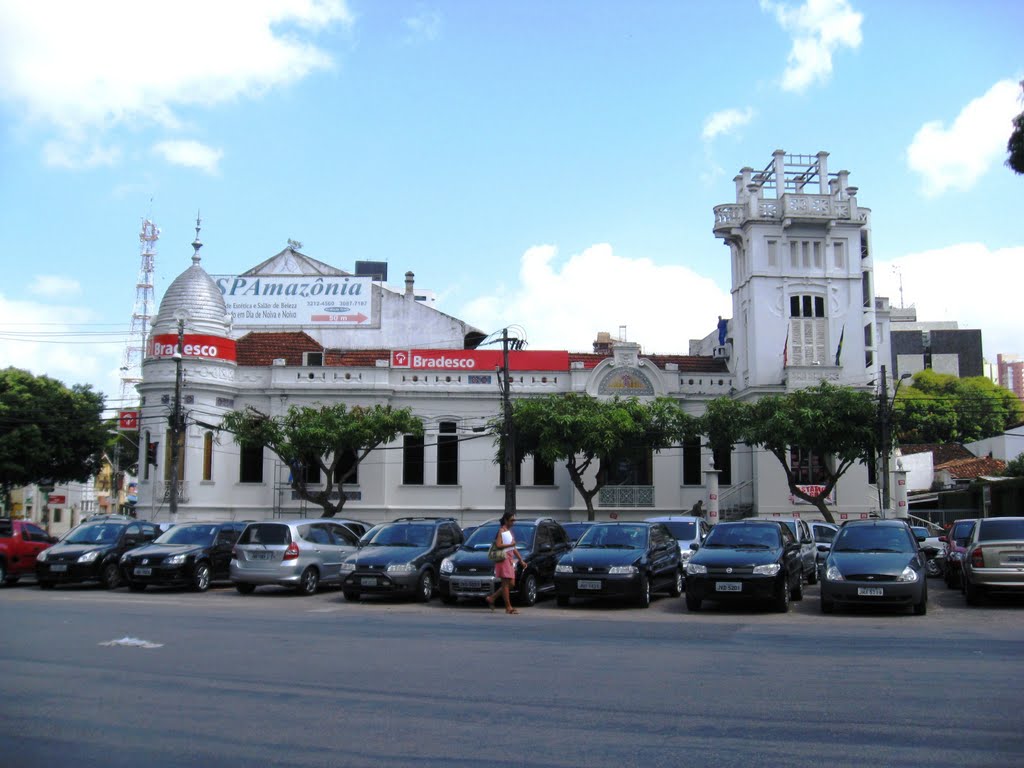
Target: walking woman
505, 569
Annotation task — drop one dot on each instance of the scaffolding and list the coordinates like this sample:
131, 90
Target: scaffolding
142, 314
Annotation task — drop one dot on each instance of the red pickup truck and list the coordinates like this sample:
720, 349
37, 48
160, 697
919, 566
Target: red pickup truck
20, 542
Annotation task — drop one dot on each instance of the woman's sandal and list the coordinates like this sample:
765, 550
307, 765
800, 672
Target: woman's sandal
490, 602
511, 610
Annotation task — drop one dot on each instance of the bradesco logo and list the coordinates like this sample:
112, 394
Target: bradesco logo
211, 347
478, 360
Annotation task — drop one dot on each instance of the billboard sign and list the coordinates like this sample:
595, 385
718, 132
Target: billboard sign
193, 345
307, 300
478, 360
128, 420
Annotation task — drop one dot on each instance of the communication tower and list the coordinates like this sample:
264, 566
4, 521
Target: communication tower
142, 313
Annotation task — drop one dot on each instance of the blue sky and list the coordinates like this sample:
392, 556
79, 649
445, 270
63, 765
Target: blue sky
547, 164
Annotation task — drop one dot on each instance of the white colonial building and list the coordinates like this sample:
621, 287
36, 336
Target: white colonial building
295, 331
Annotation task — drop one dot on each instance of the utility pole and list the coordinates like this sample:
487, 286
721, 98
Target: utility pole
510, 443
176, 426
884, 439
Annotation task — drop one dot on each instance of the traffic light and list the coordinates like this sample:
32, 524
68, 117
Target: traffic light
151, 449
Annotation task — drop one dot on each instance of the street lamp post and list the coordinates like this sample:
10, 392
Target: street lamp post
510, 443
176, 420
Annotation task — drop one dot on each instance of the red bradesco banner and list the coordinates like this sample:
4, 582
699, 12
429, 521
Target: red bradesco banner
480, 360
193, 345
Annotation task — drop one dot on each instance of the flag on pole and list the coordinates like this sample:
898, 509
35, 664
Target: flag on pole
839, 349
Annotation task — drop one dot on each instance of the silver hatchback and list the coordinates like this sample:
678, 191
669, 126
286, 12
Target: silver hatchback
302, 554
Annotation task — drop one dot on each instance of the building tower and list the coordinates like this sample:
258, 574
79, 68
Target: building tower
142, 313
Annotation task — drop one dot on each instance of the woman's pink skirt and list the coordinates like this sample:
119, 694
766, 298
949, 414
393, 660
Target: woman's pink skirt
506, 569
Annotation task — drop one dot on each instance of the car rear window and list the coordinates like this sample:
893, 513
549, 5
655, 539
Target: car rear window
266, 533
962, 532
996, 529
684, 530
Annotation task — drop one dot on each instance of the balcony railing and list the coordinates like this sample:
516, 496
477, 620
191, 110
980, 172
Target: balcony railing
626, 496
789, 206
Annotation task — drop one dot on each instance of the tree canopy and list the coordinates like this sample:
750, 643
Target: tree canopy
324, 437
586, 432
1015, 145
48, 432
834, 426
942, 408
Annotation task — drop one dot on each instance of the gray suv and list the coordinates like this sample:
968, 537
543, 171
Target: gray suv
302, 554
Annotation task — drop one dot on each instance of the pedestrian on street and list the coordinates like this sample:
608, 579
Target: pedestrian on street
505, 569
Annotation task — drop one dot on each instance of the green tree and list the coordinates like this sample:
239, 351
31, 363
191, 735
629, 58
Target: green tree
835, 425
47, 431
1015, 467
942, 408
323, 437
585, 432
1015, 146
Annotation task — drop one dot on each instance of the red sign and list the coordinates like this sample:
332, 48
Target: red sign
210, 347
128, 420
478, 360
58, 500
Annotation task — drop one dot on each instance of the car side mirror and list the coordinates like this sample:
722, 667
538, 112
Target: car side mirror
944, 539
823, 547
694, 546
52, 539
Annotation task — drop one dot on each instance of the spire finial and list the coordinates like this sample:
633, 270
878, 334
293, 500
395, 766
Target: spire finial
197, 243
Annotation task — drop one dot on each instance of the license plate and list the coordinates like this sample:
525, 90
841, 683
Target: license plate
143, 571
470, 584
58, 568
870, 591
261, 556
587, 584
1015, 558
368, 582
729, 586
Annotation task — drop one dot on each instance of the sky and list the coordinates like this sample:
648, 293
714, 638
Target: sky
550, 165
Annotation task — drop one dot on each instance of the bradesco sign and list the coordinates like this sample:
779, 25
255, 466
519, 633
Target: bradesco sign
478, 360
211, 347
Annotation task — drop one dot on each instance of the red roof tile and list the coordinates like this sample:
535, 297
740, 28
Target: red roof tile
966, 469
259, 348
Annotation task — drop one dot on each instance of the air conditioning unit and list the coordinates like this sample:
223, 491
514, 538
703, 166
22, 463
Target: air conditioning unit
720, 353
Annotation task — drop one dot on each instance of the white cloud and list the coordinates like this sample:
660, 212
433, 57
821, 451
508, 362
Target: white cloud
190, 154
78, 156
967, 282
726, 121
424, 26
564, 304
818, 29
82, 68
56, 286
956, 157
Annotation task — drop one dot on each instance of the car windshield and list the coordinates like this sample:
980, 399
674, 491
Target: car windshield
741, 536
824, 534
614, 537
873, 538
997, 529
575, 530
920, 532
684, 530
483, 536
96, 533
402, 535
196, 535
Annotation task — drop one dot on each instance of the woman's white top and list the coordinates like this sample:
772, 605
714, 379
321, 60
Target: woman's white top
506, 539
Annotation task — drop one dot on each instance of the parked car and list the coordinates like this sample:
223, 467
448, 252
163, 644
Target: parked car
576, 529
189, 554
933, 547
624, 560
994, 561
469, 573
808, 548
823, 534
875, 562
956, 539
20, 542
687, 530
746, 559
301, 554
358, 527
402, 557
91, 552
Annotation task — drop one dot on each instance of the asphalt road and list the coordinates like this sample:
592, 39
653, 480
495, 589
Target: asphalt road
273, 679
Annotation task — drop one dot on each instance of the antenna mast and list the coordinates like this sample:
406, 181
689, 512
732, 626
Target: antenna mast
142, 313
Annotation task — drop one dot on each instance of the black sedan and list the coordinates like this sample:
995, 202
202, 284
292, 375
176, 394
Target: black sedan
624, 560
187, 555
749, 559
90, 552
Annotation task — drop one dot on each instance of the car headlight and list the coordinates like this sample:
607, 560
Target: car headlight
401, 568
88, 557
693, 569
908, 575
175, 560
560, 568
833, 574
621, 569
124, 558
348, 567
767, 570
685, 555
447, 566
41, 557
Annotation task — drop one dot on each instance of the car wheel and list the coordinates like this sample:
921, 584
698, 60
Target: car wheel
931, 567
827, 606
797, 593
677, 585
920, 609
201, 578
10, 581
352, 597
528, 590
309, 581
693, 603
245, 589
562, 601
110, 576
425, 587
643, 598
46, 585
782, 598
972, 593
136, 586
